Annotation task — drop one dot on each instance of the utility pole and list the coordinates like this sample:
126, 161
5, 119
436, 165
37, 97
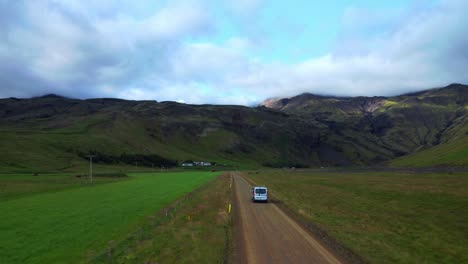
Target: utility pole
91, 167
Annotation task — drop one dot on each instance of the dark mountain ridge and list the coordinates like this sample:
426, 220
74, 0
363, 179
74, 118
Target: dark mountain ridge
52, 132
388, 127
38, 130
299, 100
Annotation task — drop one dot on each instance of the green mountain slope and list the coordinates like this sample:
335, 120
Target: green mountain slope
453, 154
452, 151
53, 133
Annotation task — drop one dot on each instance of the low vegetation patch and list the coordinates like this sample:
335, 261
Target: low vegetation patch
284, 165
105, 174
389, 103
132, 159
76, 224
386, 217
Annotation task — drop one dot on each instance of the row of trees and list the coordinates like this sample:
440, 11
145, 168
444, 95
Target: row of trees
134, 159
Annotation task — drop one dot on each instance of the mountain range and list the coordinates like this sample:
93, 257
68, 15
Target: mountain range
54, 133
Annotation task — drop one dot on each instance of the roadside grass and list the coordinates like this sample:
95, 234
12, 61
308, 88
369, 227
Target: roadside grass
19, 185
195, 229
383, 217
75, 224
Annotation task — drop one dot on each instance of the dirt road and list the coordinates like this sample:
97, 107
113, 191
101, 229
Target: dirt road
267, 235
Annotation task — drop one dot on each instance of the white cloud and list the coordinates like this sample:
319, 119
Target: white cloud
87, 49
244, 7
208, 62
417, 50
71, 46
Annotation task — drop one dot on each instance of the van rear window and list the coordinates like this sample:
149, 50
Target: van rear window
260, 191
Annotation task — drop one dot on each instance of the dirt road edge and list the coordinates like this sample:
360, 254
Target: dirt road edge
239, 250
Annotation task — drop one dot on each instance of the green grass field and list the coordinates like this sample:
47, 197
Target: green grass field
18, 185
384, 217
195, 229
76, 224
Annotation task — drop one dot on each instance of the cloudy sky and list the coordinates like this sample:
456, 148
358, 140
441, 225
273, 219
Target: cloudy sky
230, 52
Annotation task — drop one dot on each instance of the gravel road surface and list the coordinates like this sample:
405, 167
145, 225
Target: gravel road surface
265, 234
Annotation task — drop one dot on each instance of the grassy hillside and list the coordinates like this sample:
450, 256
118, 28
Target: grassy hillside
52, 133
76, 224
452, 154
452, 150
375, 129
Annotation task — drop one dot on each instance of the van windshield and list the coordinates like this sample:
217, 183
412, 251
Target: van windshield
260, 191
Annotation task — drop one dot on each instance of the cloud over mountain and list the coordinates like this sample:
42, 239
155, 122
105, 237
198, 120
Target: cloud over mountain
178, 51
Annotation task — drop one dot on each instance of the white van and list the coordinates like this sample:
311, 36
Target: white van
260, 194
